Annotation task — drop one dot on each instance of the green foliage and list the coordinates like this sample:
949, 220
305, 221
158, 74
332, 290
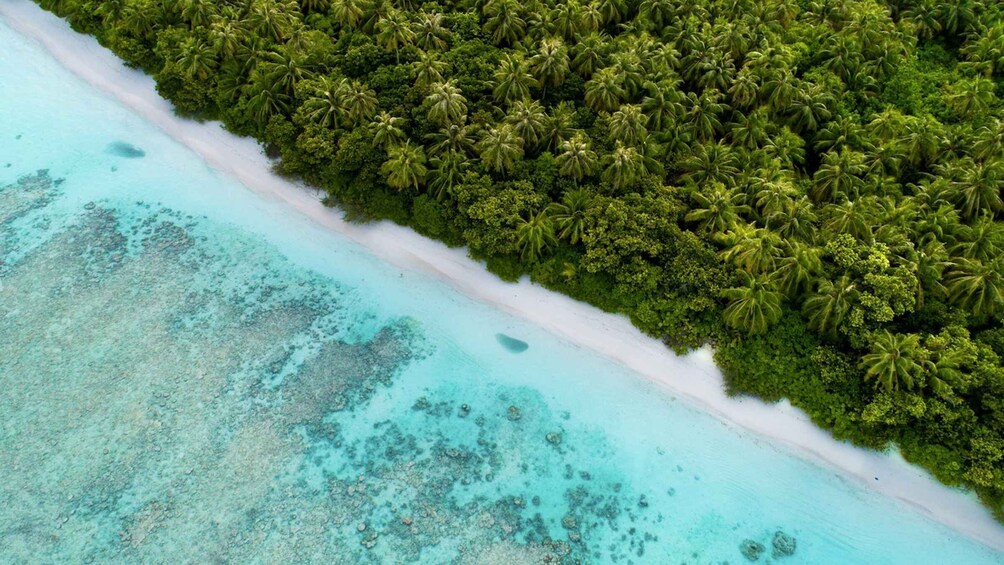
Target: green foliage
813, 186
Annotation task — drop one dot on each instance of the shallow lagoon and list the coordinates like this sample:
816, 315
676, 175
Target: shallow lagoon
190, 373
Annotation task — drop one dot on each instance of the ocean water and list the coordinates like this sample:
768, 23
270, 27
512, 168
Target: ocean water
191, 374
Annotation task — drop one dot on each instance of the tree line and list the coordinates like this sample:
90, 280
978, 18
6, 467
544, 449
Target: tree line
813, 186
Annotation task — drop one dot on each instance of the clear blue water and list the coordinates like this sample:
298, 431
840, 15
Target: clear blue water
191, 374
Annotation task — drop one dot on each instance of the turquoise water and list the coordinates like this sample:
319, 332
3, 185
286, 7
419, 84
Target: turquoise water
190, 374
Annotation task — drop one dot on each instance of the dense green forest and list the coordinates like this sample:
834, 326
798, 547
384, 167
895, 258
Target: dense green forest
813, 186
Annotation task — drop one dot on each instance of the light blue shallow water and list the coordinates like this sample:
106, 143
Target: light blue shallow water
190, 374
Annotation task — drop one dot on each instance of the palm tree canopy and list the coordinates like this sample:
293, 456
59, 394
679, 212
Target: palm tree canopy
895, 360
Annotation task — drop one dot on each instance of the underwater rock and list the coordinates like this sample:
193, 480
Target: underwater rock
123, 149
464, 410
514, 414
553, 438
642, 503
512, 344
751, 550
783, 544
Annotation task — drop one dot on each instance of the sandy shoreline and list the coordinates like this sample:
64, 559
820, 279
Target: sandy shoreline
693, 377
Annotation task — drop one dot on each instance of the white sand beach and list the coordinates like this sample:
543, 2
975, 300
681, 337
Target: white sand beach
693, 377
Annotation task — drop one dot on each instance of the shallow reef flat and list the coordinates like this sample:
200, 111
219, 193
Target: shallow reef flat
173, 391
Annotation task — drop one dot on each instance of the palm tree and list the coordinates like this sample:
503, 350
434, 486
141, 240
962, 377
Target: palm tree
829, 305
809, 108
405, 166
983, 240
924, 16
984, 49
592, 19
109, 11
447, 171
796, 220
570, 214
566, 18
754, 307
838, 175
943, 365
428, 69
630, 69
787, 147
577, 160
978, 190
198, 12
527, 118
285, 68
842, 132
590, 54
922, 141
227, 37
513, 80
710, 162
550, 64
504, 23
852, 217
430, 34
627, 125
535, 235
977, 287
887, 125
394, 32
624, 167
605, 90
387, 130
894, 359
558, 125
274, 19
750, 131
989, 140
750, 248
883, 161
613, 11
324, 104
267, 102
745, 90
703, 113
929, 266
452, 138
348, 13
196, 59
972, 97
357, 102
780, 90
500, 148
774, 196
658, 13
801, 265
447, 104
662, 104
716, 209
